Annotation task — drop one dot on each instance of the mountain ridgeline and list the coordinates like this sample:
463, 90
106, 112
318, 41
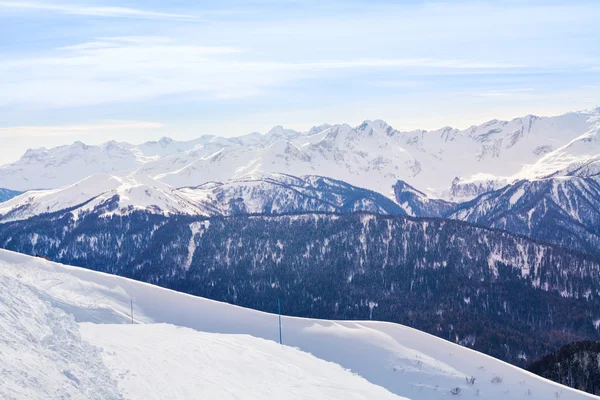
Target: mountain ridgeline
506, 295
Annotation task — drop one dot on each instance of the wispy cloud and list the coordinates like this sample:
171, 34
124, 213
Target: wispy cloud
98, 11
121, 69
71, 130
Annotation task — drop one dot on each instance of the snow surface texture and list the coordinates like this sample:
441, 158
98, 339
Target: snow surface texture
42, 355
151, 356
152, 360
454, 164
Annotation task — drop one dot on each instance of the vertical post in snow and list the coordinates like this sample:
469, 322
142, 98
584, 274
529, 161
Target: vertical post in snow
279, 312
131, 311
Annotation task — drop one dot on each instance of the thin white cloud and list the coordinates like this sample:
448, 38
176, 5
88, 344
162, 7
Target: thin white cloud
98, 11
71, 130
112, 70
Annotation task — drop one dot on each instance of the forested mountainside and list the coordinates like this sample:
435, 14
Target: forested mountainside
506, 295
576, 365
563, 210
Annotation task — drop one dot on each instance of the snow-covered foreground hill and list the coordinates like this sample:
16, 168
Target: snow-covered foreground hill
44, 353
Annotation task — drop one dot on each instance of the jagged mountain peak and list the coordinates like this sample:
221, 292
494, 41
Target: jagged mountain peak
165, 141
377, 126
281, 132
315, 130
418, 204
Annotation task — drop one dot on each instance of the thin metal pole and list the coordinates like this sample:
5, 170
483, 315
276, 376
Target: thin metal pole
279, 312
132, 311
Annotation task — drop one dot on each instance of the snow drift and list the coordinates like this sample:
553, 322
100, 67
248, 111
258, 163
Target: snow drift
51, 307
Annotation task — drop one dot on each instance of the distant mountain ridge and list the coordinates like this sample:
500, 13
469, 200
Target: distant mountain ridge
454, 164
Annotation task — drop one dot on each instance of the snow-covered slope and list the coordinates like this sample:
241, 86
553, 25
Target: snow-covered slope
281, 194
152, 357
46, 354
152, 360
115, 194
579, 156
450, 163
265, 194
65, 165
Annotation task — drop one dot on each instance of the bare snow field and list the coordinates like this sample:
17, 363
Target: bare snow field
65, 332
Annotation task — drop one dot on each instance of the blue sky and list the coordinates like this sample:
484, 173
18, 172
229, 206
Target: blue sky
136, 71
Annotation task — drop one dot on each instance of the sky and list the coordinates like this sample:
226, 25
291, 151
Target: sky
139, 70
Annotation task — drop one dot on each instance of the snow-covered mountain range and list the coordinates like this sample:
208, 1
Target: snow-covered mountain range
68, 330
265, 194
448, 163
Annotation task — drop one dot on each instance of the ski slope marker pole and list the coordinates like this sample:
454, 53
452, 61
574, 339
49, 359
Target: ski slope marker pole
279, 312
132, 311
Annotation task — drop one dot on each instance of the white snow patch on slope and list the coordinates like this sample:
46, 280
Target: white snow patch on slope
405, 361
517, 195
196, 228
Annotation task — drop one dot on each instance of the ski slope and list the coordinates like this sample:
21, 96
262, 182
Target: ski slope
190, 347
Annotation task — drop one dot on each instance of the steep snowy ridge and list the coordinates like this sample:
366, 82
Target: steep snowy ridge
453, 164
151, 358
418, 204
562, 210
